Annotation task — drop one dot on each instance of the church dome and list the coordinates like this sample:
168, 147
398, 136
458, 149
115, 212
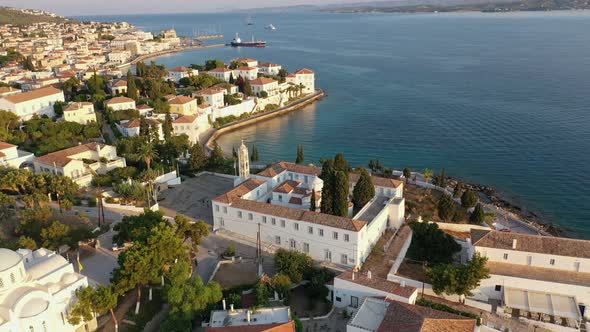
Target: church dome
34, 307
8, 259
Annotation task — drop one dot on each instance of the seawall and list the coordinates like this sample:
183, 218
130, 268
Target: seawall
157, 54
318, 94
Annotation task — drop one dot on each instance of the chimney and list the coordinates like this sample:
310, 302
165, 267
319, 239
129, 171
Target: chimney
231, 307
369, 275
223, 302
248, 316
513, 243
403, 283
353, 275
468, 240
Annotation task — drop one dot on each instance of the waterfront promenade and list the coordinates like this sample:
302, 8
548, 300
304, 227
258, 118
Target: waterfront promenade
165, 52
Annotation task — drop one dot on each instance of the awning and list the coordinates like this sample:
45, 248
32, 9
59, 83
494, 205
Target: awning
541, 302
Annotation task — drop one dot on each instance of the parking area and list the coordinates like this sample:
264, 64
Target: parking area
193, 197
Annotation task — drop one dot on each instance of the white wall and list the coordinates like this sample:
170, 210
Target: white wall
344, 289
536, 259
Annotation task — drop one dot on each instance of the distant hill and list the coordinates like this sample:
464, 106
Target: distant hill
17, 16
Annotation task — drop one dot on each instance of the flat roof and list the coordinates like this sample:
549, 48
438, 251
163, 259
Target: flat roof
539, 273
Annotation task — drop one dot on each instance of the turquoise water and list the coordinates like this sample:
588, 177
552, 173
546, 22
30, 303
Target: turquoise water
499, 99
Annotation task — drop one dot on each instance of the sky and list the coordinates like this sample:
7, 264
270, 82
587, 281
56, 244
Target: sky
125, 7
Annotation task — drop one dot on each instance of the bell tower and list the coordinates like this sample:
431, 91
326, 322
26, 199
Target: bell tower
243, 162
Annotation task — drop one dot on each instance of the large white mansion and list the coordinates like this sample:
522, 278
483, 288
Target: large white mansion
37, 289
277, 200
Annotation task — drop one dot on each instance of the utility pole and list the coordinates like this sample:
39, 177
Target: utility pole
259, 252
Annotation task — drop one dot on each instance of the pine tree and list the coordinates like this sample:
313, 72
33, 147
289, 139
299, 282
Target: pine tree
341, 194
131, 86
247, 88
363, 190
312, 204
469, 199
446, 207
477, 216
407, 173
232, 80
198, 160
254, 157
300, 158
167, 127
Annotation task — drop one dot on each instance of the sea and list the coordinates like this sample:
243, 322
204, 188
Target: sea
496, 99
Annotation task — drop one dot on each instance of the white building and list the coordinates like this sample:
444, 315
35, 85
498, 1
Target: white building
80, 112
340, 240
247, 73
80, 162
119, 57
130, 128
247, 61
27, 104
177, 73
269, 68
305, 77
277, 319
380, 315
190, 125
37, 291
540, 275
268, 85
183, 105
212, 96
119, 87
221, 73
120, 103
11, 156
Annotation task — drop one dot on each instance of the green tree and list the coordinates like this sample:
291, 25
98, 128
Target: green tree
247, 88
458, 190
58, 108
167, 127
232, 80
363, 191
188, 230
82, 310
427, 173
312, 202
147, 153
254, 157
131, 86
477, 216
441, 179
282, 284
468, 199
300, 157
212, 64
105, 299
55, 235
294, 264
137, 227
27, 242
431, 244
197, 160
7, 204
460, 280
407, 173
446, 207
327, 176
341, 194
262, 293
216, 159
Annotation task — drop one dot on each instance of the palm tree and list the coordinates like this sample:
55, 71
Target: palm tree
427, 173
147, 153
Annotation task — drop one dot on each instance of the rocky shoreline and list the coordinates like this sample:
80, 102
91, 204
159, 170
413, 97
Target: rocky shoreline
529, 217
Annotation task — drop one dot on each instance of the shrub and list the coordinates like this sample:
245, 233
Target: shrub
230, 251
91, 201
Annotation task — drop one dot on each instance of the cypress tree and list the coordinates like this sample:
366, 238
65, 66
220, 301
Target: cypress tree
300, 157
247, 88
312, 204
363, 190
167, 127
327, 193
477, 216
234, 153
407, 173
232, 80
468, 200
254, 157
198, 159
131, 86
446, 207
458, 190
340, 164
341, 194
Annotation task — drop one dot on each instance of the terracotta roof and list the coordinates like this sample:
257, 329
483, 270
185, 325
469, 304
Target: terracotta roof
279, 327
185, 119
120, 83
62, 157
144, 107
378, 283
4, 145
180, 100
244, 60
76, 106
286, 187
27, 96
377, 181
119, 100
262, 81
282, 166
246, 68
239, 191
4, 89
298, 214
413, 318
304, 71
549, 245
220, 70
134, 123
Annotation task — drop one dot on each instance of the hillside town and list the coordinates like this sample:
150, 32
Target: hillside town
121, 212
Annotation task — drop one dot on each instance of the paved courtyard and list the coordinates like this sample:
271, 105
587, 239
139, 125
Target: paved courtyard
193, 197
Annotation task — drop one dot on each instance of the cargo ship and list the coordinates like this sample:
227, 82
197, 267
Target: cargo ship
238, 42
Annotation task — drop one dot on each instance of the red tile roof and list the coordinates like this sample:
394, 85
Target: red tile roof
76, 106
279, 327
220, 70
412, 318
4, 145
120, 83
180, 100
239, 191
378, 283
262, 81
62, 157
119, 100
31, 95
286, 187
304, 71
186, 119
246, 68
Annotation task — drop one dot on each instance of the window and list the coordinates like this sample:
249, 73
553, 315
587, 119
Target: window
225, 209
338, 299
280, 198
354, 301
12, 278
344, 259
264, 219
278, 240
306, 248
505, 256
250, 216
310, 230
221, 222
216, 208
282, 222
328, 255
240, 214
296, 226
346, 238
335, 235
552, 261
498, 288
273, 221
292, 244
321, 232
306, 179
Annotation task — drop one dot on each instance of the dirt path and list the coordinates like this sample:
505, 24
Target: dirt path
124, 305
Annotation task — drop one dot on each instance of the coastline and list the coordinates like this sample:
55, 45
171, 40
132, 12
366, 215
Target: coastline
162, 53
216, 133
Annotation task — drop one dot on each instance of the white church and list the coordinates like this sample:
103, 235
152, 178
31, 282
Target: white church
37, 290
277, 201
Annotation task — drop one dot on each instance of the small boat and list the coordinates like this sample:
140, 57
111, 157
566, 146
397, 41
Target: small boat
238, 42
270, 27
249, 20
